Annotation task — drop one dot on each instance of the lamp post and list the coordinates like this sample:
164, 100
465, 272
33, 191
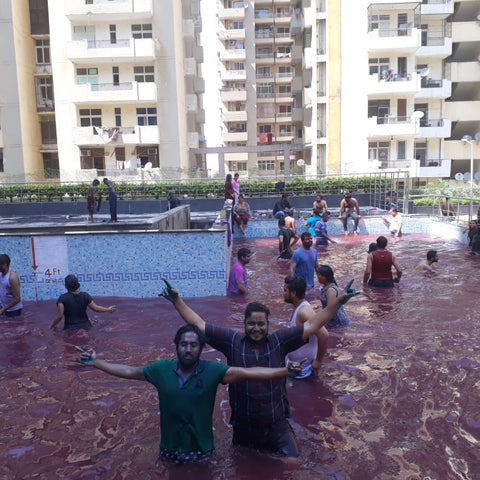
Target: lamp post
468, 139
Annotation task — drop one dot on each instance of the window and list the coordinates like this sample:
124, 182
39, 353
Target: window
378, 65
44, 91
88, 75
266, 164
262, 13
94, 158
263, 72
401, 150
285, 130
144, 74
147, 116
285, 90
50, 165
91, 117
42, 49
49, 132
378, 108
237, 25
118, 116
113, 34
420, 152
238, 66
283, 52
379, 151
264, 129
143, 30
283, 32
284, 71
264, 52
116, 75
285, 110
242, 166
265, 90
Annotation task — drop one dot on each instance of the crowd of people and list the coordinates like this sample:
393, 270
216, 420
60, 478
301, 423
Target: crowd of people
257, 361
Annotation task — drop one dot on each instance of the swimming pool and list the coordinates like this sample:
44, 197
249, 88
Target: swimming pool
396, 397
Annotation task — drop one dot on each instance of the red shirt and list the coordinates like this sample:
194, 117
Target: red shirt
382, 265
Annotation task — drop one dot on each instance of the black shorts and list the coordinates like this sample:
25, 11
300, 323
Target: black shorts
278, 438
13, 313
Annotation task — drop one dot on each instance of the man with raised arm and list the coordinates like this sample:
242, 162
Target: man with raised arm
186, 393
259, 410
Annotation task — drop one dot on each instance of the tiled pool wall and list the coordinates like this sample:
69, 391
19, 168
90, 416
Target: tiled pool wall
369, 225
122, 264
133, 264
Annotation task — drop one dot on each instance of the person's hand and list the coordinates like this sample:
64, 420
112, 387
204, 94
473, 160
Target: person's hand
112, 309
295, 368
86, 357
348, 293
169, 292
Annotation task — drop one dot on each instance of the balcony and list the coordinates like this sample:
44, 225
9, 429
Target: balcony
401, 40
192, 139
129, 50
390, 83
390, 126
199, 85
431, 88
228, 116
231, 14
191, 103
297, 84
103, 10
458, 150
439, 168
109, 93
233, 95
45, 105
297, 22
468, 111
190, 67
439, 8
436, 47
227, 75
297, 116
198, 53
232, 54
144, 135
464, 71
200, 116
235, 137
466, 31
232, 34
297, 54
435, 128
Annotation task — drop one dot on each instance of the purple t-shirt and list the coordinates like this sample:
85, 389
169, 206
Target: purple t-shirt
238, 275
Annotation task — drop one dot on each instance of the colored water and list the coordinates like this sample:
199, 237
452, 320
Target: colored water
397, 396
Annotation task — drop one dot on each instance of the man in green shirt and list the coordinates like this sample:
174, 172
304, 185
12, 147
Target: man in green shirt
186, 393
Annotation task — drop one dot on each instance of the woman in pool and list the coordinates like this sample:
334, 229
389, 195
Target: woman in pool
330, 291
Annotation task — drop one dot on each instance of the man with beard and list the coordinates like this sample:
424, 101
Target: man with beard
186, 393
259, 410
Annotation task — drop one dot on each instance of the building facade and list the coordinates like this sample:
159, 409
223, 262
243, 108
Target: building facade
99, 86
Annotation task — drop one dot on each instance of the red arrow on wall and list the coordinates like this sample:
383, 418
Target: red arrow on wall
32, 242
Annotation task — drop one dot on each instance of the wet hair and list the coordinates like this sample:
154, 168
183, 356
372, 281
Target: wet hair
253, 307
71, 283
96, 182
243, 252
431, 254
316, 212
305, 235
348, 194
372, 247
4, 259
327, 272
190, 328
393, 209
382, 241
296, 285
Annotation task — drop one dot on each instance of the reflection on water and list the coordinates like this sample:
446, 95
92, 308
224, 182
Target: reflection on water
397, 396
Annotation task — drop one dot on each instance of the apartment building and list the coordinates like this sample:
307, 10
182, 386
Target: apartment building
422, 82
257, 67
100, 86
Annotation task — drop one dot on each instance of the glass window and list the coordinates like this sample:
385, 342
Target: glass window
42, 49
144, 74
266, 164
90, 117
142, 30
146, 116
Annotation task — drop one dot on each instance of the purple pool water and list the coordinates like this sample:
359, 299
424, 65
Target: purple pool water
397, 396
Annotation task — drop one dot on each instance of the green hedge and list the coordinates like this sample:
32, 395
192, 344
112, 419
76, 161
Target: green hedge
191, 189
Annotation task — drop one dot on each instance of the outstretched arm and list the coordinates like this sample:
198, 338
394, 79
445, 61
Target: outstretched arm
99, 309
237, 374
323, 316
117, 370
182, 308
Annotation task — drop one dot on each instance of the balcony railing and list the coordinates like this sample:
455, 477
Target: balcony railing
424, 162
392, 120
390, 76
431, 83
435, 122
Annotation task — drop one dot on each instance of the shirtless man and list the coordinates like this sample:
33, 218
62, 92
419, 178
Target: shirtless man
349, 208
427, 265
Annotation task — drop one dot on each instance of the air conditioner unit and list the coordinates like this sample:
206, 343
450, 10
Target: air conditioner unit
85, 153
152, 151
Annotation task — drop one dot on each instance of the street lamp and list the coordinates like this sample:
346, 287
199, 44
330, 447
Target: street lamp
468, 139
